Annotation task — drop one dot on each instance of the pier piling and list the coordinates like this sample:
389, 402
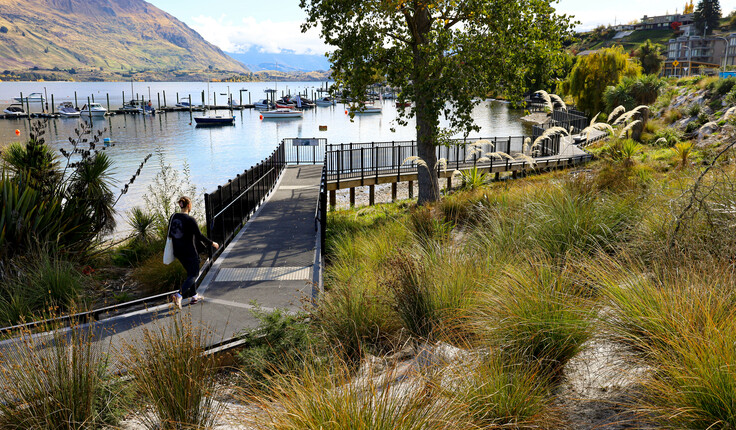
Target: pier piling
52, 104
76, 105
108, 101
159, 100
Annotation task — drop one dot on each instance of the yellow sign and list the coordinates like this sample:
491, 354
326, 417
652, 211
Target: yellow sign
675, 63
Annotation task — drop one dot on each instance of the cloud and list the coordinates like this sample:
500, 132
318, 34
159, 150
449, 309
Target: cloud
267, 36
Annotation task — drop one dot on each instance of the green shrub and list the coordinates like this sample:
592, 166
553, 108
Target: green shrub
172, 373
45, 283
671, 136
156, 277
280, 340
721, 87
694, 110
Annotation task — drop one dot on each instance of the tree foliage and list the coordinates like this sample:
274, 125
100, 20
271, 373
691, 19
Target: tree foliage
441, 55
707, 13
650, 56
593, 73
632, 92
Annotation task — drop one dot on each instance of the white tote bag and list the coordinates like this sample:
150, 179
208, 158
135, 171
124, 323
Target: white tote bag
169, 248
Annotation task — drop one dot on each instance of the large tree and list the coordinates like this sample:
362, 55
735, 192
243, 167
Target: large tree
442, 54
650, 56
707, 13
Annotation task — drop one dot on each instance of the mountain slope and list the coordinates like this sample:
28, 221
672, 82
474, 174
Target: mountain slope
284, 62
114, 35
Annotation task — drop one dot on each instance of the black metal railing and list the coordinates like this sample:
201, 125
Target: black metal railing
571, 120
297, 153
229, 207
350, 161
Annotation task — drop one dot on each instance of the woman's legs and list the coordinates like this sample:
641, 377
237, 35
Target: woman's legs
189, 288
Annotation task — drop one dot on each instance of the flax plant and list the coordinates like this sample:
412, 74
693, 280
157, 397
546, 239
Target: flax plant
172, 373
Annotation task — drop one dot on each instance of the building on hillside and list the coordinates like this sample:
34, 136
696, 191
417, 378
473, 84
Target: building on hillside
694, 55
663, 22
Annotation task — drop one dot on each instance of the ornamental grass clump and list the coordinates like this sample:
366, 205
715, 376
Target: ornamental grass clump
499, 393
536, 313
329, 398
172, 373
54, 381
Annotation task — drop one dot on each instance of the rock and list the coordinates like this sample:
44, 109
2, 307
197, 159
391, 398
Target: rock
707, 129
441, 354
682, 124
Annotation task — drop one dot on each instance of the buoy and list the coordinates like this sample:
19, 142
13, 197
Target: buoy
322, 128
346, 112
17, 132
261, 116
106, 140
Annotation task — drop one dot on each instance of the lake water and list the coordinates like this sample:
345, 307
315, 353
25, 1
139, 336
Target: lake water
216, 154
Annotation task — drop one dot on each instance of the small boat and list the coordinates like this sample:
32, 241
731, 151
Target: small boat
184, 104
67, 110
139, 106
14, 110
404, 104
285, 104
94, 110
366, 109
31, 98
282, 113
262, 104
325, 101
214, 120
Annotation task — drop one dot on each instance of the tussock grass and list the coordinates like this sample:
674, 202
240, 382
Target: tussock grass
54, 381
536, 313
155, 277
496, 394
325, 398
173, 375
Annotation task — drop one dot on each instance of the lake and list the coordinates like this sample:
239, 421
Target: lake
215, 155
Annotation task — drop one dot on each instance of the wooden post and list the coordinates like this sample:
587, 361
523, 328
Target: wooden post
159, 100
123, 98
241, 97
449, 183
93, 98
515, 174
52, 104
411, 189
371, 195
89, 110
394, 189
333, 198
108, 101
249, 98
498, 176
76, 105
165, 105
352, 197
214, 98
203, 105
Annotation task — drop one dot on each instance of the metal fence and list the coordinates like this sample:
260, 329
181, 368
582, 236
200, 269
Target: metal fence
296, 153
351, 161
571, 120
229, 207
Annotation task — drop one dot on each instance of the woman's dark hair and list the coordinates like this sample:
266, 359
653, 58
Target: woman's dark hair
184, 202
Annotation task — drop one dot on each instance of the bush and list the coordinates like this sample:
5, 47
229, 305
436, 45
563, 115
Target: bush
721, 87
670, 135
3, 29
45, 283
173, 375
694, 110
156, 277
280, 341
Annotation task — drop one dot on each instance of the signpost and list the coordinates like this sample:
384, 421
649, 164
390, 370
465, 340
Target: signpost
305, 142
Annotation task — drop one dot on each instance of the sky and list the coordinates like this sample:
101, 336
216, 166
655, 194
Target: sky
274, 25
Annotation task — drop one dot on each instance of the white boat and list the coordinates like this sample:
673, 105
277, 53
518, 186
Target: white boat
262, 104
325, 101
366, 110
67, 110
14, 109
31, 98
282, 113
94, 110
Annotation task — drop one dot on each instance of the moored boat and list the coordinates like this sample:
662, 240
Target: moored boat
282, 113
93, 110
31, 98
14, 110
262, 104
67, 110
325, 101
214, 120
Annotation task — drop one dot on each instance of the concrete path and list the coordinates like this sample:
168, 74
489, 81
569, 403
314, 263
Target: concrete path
269, 264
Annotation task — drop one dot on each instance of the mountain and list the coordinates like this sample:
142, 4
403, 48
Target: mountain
286, 61
118, 36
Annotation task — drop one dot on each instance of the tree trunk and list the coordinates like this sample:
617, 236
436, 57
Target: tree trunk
426, 117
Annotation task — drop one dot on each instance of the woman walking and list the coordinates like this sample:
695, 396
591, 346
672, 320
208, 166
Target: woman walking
185, 236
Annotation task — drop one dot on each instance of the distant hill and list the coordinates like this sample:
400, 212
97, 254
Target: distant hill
121, 37
284, 62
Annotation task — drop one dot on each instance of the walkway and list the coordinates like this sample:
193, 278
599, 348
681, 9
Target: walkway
269, 264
